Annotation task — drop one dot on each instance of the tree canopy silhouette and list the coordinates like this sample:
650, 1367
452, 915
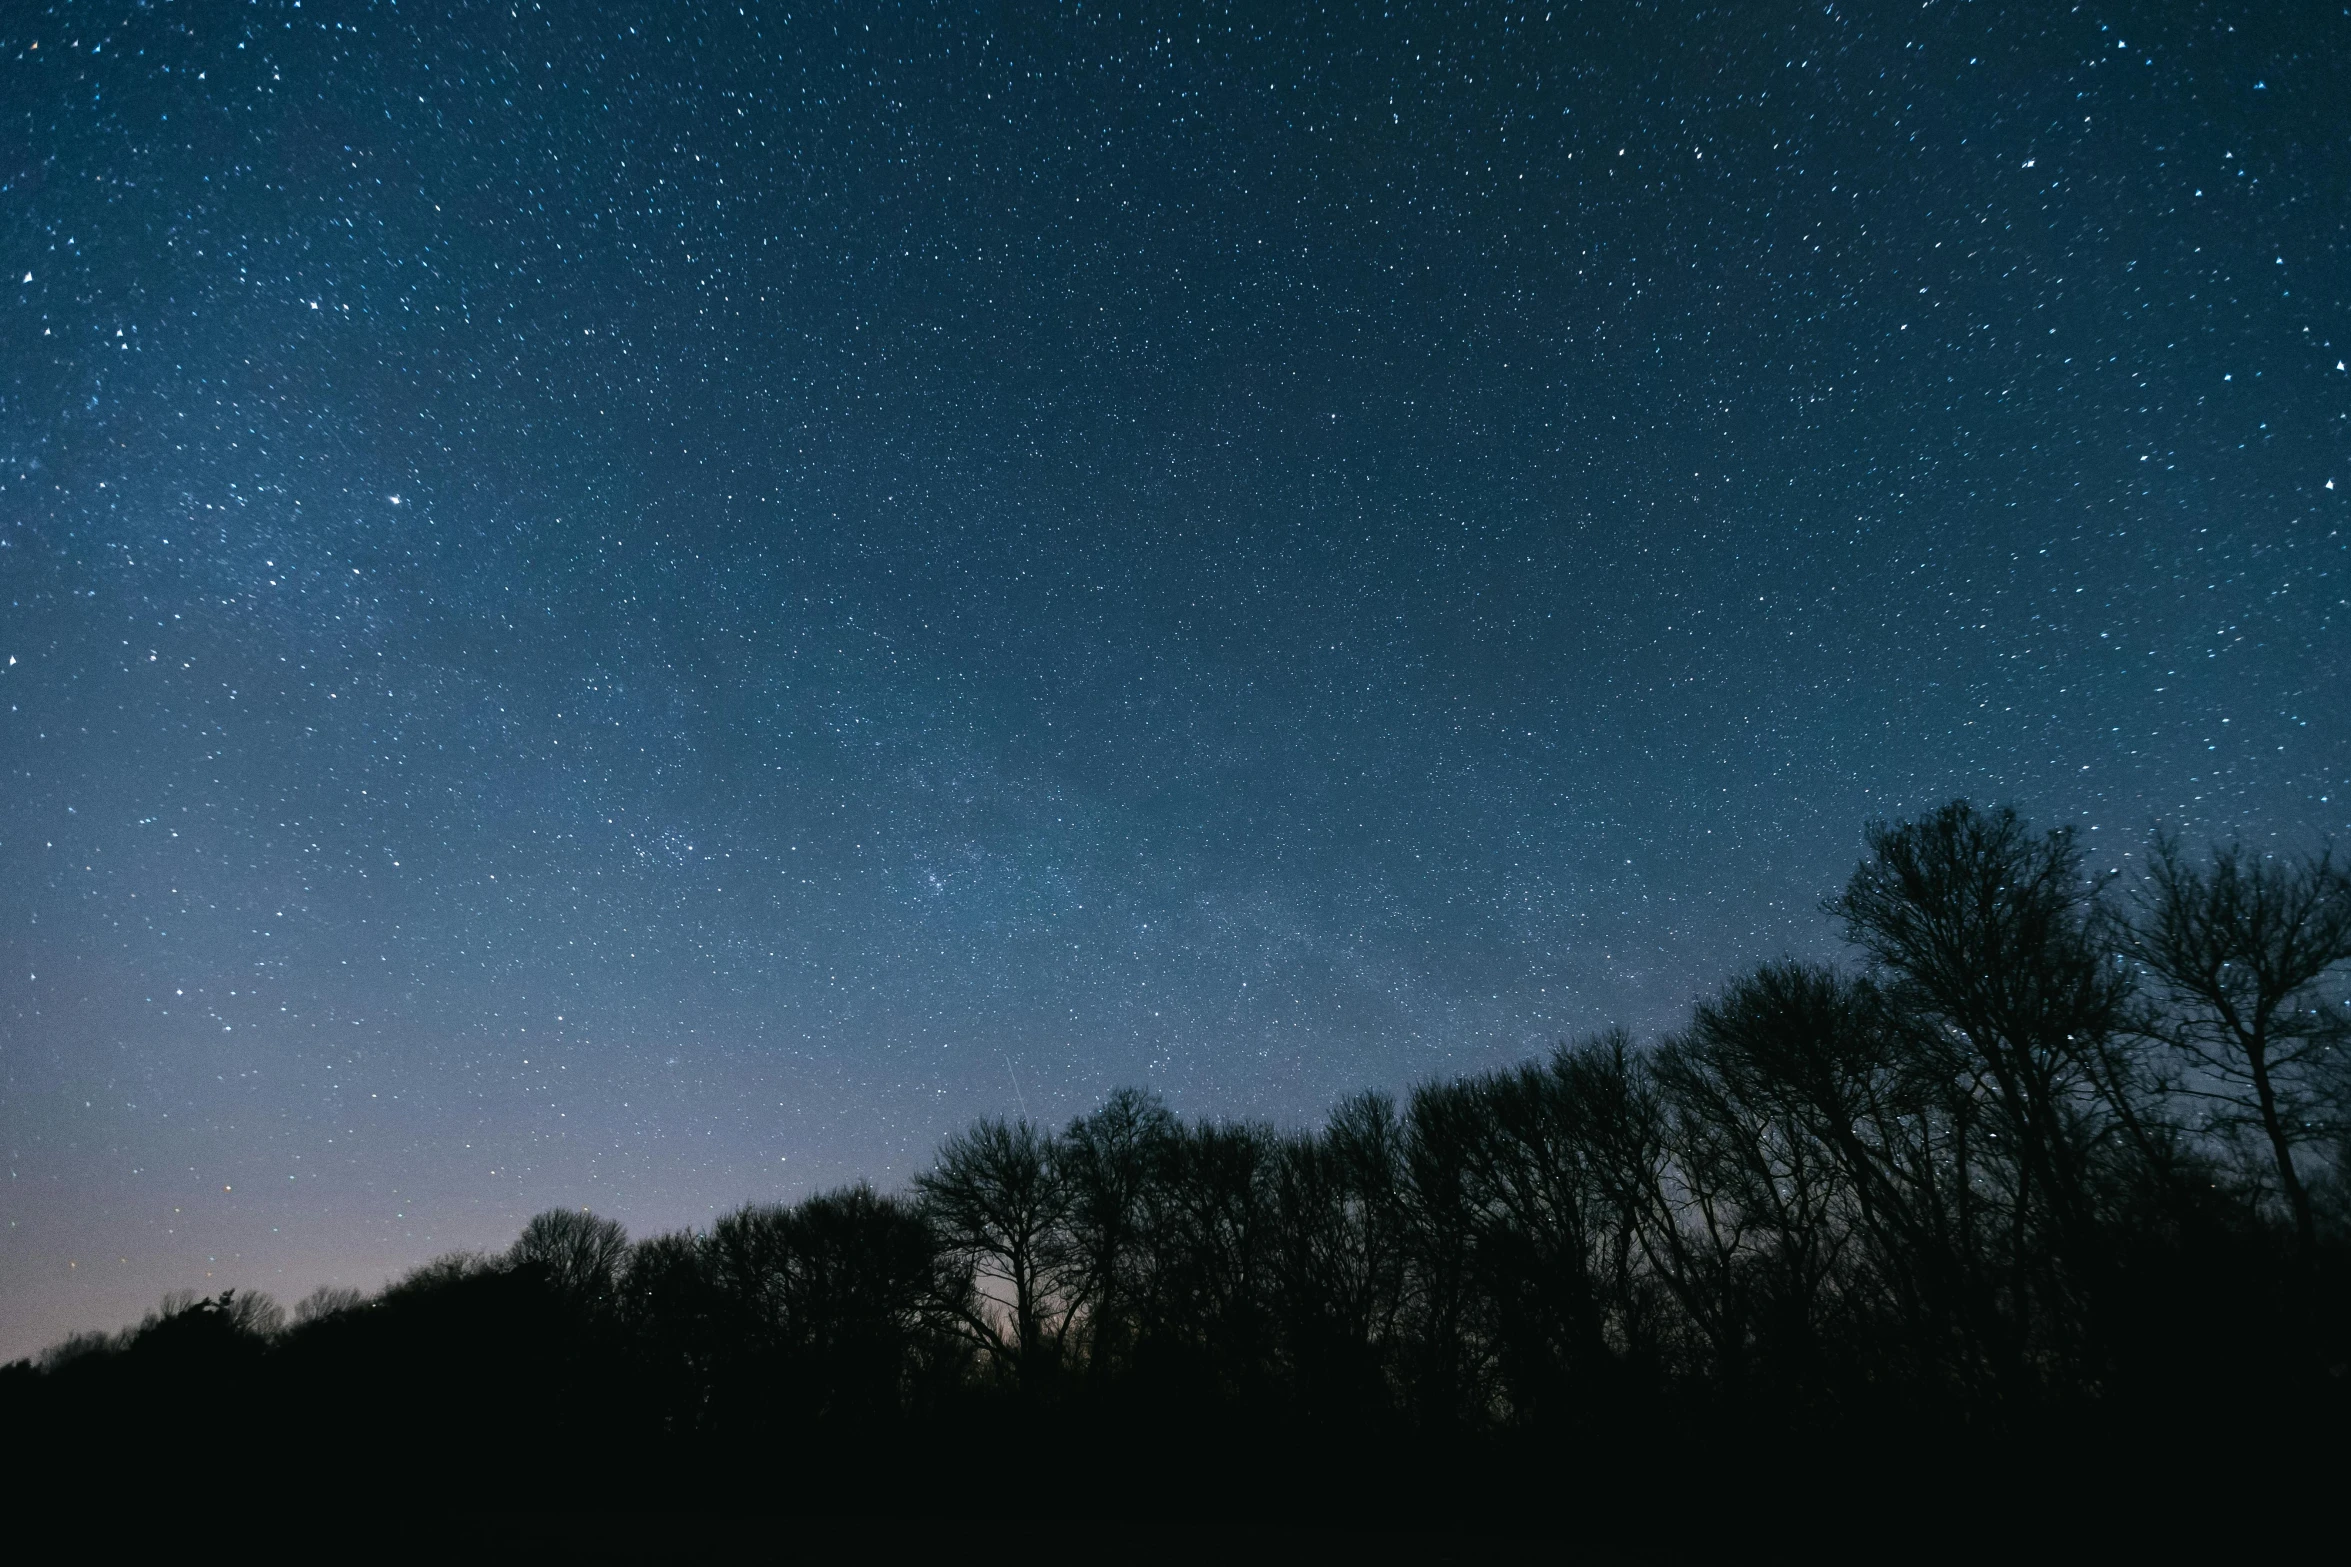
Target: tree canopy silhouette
2030, 1155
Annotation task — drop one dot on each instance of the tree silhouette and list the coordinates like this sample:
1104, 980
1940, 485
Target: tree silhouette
1982, 930
579, 1254
1847, 1135
2242, 952
997, 1199
1950, 1197
1106, 1163
1343, 1256
326, 1301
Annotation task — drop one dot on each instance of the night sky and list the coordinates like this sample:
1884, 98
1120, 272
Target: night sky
655, 606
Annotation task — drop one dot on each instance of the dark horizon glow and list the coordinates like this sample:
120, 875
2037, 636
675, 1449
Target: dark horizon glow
654, 609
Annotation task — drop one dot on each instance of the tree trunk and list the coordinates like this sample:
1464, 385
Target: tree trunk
2305, 1231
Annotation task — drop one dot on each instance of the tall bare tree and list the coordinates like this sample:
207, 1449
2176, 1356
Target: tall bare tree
2243, 951
1982, 926
1342, 1253
998, 1198
1837, 1096
1107, 1161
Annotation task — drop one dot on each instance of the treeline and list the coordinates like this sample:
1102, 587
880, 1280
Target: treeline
2055, 1149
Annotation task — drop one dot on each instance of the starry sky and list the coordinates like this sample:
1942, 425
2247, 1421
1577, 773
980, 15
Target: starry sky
652, 606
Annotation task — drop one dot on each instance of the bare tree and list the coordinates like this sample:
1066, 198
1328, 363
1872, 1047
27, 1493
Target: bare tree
327, 1300
1854, 1141
2242, 952
1106, 1163
1343, 1251
1210, 1240
245, 1313
1538, 1236
1981, 926
1688, 1231
997, 1198
252, 1313
440, 1273
1445, 1368
581, 1254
